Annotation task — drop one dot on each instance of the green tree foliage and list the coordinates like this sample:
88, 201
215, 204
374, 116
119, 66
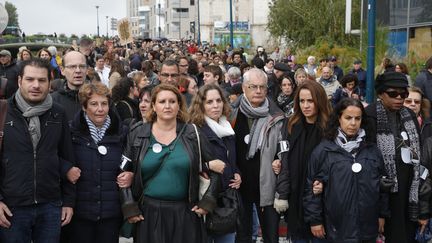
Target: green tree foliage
306, 21
13, 15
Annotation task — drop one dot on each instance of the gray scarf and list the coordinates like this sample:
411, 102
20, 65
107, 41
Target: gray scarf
386, 143
351, 146
32, 113
259, 116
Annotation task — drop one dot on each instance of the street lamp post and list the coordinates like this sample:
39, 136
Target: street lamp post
107, 26
231, 25
159, 17
97, 16
180, 19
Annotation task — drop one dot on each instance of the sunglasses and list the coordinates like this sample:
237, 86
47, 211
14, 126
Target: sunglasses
395, 94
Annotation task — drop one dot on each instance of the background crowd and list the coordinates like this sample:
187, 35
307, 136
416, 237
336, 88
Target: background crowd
97, 135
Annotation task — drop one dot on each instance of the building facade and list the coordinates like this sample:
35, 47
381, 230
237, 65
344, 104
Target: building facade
179, 16
157, 19
249, 17
410, 24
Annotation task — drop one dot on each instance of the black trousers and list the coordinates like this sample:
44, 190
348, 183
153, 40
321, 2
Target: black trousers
102, 231
269, 221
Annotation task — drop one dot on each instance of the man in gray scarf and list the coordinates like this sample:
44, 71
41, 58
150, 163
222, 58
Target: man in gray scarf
257, 122
36, 199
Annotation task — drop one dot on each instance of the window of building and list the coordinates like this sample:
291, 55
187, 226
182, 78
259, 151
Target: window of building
192, 2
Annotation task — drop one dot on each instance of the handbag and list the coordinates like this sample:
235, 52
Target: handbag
225, 217
204, 182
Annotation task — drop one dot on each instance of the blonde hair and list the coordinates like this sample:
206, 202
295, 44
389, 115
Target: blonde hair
182, 113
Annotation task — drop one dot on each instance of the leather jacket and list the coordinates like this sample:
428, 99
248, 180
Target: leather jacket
137, 144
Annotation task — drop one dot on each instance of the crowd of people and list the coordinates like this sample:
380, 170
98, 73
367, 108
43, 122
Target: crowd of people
97, 136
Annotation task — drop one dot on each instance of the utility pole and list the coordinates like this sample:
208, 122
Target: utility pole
231, 26
371, 52
97, 16
107, 26
159, 17
199, 23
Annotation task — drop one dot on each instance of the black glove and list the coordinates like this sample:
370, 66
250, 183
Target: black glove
386, 184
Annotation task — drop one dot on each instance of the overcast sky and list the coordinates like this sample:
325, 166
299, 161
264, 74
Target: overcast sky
67, 16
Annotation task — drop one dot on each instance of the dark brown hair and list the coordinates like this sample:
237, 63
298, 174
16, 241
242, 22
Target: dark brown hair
321, 102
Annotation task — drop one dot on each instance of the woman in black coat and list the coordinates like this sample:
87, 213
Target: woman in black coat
209, 111
124, 95
352, 207
98, 138
303, 132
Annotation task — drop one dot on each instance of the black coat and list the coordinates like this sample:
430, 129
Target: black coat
292, 179
11, 73
351, 203
399, 226
225, 150
97, 190
137, 143
28, 177
68, 99
128, 108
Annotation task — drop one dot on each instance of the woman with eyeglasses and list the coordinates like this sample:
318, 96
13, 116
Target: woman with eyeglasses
350, 169
303, 131
421, 107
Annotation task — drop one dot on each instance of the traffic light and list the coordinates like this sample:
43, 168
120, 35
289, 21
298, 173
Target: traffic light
192, 27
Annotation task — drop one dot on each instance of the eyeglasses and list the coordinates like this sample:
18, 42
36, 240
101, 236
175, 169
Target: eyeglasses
410, 101
74, 67
395, 94
172, 75
254, 87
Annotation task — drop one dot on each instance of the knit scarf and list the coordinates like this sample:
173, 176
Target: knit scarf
286, 103
32, 113
222, 128
259, 116
97, 133
386, 143
351, 146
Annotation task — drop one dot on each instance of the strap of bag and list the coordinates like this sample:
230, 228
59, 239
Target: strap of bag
199, 147
3, 113
3, 83
130, 107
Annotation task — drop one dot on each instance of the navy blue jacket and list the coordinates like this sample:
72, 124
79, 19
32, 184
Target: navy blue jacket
351, 203
97, 190
225, 150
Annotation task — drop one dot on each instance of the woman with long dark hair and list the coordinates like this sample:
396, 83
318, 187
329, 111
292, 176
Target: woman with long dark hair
124, 95
303, 132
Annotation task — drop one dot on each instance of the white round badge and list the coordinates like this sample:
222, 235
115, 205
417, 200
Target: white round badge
356, 167
157, 148
246, 139
102, 150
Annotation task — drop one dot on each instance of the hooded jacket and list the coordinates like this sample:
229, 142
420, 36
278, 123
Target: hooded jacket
351, 203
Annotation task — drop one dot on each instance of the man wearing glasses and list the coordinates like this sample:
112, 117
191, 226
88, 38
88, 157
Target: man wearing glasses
257, 123
74, 70
169, 73
394, 128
